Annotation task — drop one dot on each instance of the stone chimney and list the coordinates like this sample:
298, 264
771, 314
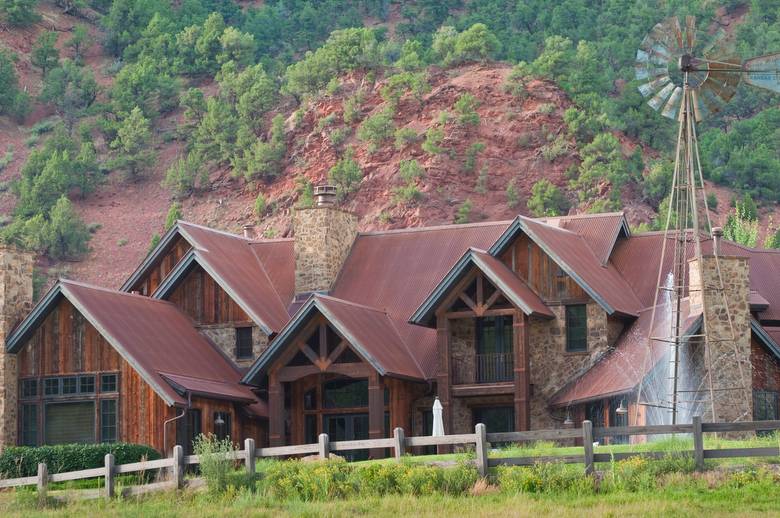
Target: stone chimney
323, 238
15, 302
728, 327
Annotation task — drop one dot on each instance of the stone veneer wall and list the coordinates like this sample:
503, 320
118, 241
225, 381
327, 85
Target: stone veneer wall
224, 337
552, 367
730, 354
323, 238
16, 295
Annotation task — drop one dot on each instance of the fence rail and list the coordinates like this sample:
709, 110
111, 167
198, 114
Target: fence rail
399, 443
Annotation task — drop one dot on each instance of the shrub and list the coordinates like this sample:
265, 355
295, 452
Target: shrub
547, 200
512, 197
186, 175
404, 137
305, 190
376, 129
471, 156
213, 464
339, 135
712, 201
408, 193
22, 461
554, 149
174, 214
346, 174
260, 205
464, 212
7, 157
410, 170
352, 108
546, 478
466, 108
433, 138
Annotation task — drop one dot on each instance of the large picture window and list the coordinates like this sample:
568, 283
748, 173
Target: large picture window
576, 328
72, 422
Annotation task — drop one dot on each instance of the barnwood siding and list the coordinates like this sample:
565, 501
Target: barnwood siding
147, 284
541, 273
203, 300
67, 344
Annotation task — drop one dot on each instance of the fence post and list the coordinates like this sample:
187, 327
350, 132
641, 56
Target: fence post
587, 445
43, 482
324, 446
698, 443
178, 466
249, 447
399, 443
109, 463
481, 444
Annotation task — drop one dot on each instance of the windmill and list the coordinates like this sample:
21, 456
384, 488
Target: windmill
687, 81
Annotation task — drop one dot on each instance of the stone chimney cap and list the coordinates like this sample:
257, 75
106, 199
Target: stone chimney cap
249, 231
717, 231
325, 195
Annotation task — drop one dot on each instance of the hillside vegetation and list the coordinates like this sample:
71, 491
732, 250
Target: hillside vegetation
116, 114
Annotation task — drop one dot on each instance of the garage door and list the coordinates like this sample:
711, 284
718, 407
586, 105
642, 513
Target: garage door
70, 422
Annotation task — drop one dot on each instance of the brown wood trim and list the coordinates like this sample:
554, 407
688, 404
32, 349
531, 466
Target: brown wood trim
483, 389
522, 372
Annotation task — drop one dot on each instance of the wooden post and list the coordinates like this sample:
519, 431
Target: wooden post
43, 482
481, 443
443, 375
109, 463
587, 444
698, 443
399, 443
275, 411
177, 470
324, 446
521, 371
249, 448
376, 412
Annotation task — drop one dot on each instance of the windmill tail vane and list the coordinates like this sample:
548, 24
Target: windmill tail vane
688, 78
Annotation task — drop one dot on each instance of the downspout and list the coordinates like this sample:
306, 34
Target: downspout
165, 423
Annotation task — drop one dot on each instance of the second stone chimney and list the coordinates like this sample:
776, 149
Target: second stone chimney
721, 284
323, 238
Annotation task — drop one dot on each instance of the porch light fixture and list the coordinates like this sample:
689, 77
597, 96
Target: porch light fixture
568, 422
621, 409
219, 421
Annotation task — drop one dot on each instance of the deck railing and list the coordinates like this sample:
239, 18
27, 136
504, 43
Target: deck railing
488, 368
400, 444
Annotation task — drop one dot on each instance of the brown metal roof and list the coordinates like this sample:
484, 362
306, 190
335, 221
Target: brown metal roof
238, 270
600, 231
396, 270
633, 357
603, 281
278, 258
512, 285
157, 340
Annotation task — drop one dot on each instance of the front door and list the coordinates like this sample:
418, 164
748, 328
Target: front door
347, 427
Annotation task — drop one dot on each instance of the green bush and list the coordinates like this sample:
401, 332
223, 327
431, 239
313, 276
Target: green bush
404, 137
346, 174
317, 481
214, 467
547, 199
466, 108
22, 461
376, 129
433, 138
545, 478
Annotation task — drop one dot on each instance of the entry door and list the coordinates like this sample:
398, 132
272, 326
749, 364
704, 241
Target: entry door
347, 427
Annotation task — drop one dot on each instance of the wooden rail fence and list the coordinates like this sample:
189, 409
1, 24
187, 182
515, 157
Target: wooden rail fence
400, 444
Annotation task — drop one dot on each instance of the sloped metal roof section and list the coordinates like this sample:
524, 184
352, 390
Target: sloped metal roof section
153, 336
767, 335
396, 271
208, 388
510, 285
152, 257
570, 251
633, 357
234, 266
371, 332
600, 231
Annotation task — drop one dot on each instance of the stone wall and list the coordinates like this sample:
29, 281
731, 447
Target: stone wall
463, 344
323, 238
728, 329
552, 367
224, 337
16, 296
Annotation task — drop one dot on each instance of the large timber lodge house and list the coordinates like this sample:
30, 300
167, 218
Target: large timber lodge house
518, 324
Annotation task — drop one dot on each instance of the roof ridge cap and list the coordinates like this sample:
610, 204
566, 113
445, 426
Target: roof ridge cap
214, 230
347, 302
110, 290
453, 226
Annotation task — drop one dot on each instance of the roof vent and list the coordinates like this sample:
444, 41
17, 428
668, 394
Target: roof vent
325, 195
249, 231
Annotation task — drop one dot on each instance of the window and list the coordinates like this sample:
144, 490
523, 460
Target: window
243, 343
108, 383
29, 425
222, 425
51, 386
72, 422
494, 360
764, 405
87, 384
108, 415
576, 328
187, 429
495, 419
345, 393
70, 385
29, 388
